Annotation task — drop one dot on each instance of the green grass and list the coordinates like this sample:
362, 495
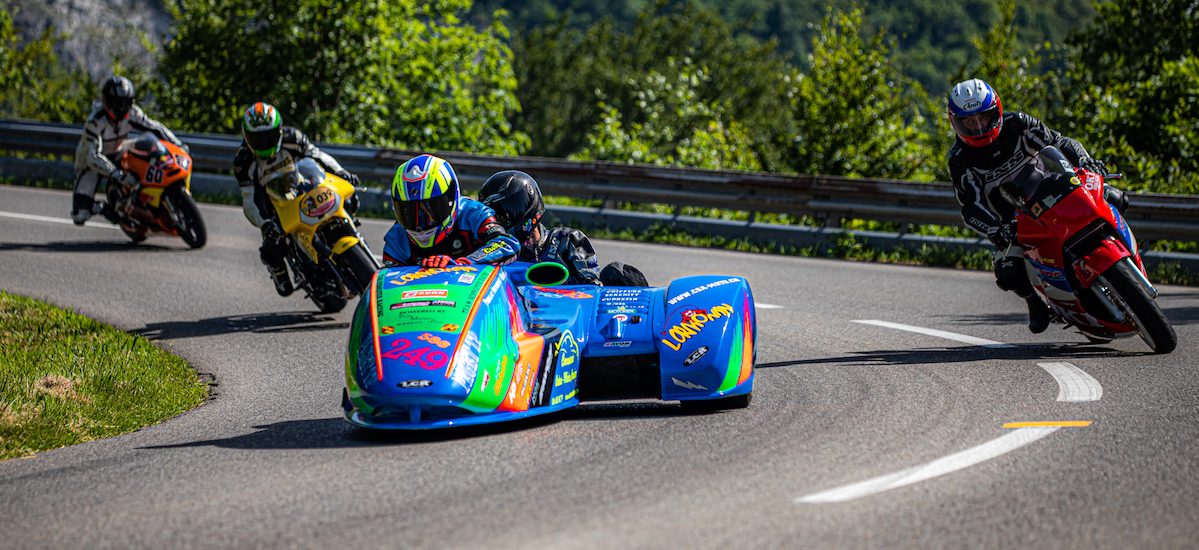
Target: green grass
66, 379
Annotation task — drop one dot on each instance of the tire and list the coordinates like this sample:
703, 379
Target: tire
135, 236
329, 304
357, 267
1150, 322
191, 228
713, 405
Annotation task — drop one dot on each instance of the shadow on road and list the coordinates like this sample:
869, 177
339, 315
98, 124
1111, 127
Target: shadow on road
1177, 315
88, 246
252, 322
335, 433
964, 354
628, 410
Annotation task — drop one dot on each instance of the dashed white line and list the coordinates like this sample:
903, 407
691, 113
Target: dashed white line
1073, 383
952, 463
983, 342
31, 217
767, 306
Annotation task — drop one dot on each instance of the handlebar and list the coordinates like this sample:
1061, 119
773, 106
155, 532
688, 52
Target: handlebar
1116, 176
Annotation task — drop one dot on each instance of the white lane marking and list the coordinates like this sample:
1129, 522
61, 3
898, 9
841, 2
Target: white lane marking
938, 333
32, 217
1073, 383
767, 306
952, 463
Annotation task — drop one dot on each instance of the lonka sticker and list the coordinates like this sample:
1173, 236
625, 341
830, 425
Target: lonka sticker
692, 323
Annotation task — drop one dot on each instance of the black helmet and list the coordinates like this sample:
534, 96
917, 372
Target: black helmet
117, 93
516, 199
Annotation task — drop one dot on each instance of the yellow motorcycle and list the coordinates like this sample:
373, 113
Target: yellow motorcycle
328, 258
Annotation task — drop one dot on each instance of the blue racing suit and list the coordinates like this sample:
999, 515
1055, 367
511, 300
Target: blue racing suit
476, 236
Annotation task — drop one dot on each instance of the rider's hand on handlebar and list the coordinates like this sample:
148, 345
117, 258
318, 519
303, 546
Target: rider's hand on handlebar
1093, 165
1003, 236
125, 179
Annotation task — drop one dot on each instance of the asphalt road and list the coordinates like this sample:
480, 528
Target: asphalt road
269, 462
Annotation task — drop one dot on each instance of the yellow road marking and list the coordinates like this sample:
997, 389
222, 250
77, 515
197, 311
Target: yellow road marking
1050, 424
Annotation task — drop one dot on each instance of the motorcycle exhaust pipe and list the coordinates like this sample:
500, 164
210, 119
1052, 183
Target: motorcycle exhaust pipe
140, 214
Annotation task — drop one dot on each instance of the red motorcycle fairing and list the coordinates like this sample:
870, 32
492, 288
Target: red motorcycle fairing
1065, 218
1090, 267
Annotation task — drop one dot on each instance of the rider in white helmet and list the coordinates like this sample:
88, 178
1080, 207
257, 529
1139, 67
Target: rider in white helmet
990, 148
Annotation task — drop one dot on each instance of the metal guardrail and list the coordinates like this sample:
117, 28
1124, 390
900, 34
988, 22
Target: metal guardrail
830, 199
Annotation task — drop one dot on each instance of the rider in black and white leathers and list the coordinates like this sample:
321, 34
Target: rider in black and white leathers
249, 169
976, 172
95, 156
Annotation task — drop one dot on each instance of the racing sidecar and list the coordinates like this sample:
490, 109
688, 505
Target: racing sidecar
476, 344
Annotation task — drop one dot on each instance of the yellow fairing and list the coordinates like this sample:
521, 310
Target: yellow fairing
301, 215
152, 195
343, 244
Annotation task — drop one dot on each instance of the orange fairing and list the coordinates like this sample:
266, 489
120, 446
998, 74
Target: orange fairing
157, 169
530, 350
470, 317
747, 346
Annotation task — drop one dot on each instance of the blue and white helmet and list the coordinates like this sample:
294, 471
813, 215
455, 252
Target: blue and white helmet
975, 112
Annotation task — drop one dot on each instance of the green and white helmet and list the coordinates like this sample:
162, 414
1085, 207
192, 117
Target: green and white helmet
262, 127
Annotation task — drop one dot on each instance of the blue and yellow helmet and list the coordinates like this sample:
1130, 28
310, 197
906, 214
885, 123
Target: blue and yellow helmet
425, 195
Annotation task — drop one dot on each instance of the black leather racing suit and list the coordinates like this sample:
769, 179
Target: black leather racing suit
249, 169
571, 248
976, 173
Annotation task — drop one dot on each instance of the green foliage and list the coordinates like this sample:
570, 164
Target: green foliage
1017, 72
572, 79
400, 73
1132, 95
855, 115
932, 37
678, 127
33, 84
66, 379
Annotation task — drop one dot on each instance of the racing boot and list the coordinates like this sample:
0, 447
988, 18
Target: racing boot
82, 208
104, 209
1038, 314
282, 281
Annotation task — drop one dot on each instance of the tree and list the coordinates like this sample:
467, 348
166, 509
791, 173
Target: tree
854, 114
400, 73
1016, 72
1132, 98
33, 84
571, 79
676, 126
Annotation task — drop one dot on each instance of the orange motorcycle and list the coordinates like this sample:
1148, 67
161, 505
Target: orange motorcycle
160, 200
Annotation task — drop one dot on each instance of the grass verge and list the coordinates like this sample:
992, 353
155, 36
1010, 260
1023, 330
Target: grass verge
66, 379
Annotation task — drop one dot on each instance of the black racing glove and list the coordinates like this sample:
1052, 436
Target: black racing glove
1003, 236
1093, 165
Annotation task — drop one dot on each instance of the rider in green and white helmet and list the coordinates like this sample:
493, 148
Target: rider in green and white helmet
266, 144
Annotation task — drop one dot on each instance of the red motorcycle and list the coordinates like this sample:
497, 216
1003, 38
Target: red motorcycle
1081, 256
